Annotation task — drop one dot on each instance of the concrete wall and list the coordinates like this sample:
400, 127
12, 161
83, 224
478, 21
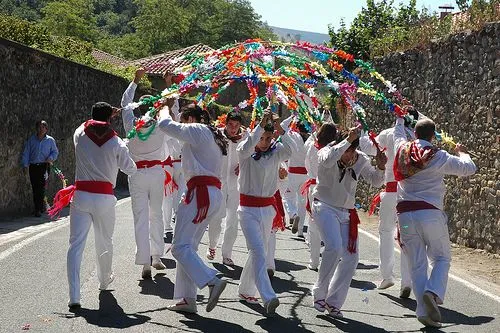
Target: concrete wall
456, 82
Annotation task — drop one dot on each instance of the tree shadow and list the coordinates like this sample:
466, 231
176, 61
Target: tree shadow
350, 325
449, 316
160, 286
110, 314
233, 272
363, 285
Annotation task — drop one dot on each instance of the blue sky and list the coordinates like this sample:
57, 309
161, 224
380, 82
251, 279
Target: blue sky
315, 15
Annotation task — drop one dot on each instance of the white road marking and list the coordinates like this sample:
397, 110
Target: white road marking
452, 276
59, 224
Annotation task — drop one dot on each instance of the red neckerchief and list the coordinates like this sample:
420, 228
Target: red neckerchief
317, 145
98, 131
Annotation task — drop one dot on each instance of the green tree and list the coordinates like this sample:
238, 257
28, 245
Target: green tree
71, 18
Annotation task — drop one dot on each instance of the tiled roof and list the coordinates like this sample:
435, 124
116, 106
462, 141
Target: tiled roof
102, 56
159, 64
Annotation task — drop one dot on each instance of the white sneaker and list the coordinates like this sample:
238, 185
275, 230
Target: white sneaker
431, 306
104, 286
146, 272
271, 306
428, 322
184, 305
157, 264
404, 292
216, 287
386, 283
228, 261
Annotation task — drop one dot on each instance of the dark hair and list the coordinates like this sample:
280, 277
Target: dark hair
269, 128
326, 134
302, 128
193, 110
425, 129
40, 123
101, 111
236, 116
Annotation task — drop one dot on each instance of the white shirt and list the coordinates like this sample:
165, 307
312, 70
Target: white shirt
259, 178
312, 161
298, 158
154, 147
385, 140
201, 156
101, 163
342, 194
428, 185
230, 163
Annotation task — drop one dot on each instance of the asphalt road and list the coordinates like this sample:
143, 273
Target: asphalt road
33, 291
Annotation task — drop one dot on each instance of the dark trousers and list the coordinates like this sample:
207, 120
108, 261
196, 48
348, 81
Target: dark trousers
37, 179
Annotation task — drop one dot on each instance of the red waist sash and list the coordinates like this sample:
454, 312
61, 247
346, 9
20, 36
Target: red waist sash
149, 164
275, 201
201, 183
64, 196
412, 206
298, 170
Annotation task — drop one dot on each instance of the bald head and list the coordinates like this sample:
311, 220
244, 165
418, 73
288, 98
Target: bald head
425, 129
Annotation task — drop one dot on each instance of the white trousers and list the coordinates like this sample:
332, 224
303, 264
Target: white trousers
271, 251
146, 192
387, 232
334, 277
295, 201
425, 235
314, 236
192, 272
90, 209
231, 228
256, 224
215, 227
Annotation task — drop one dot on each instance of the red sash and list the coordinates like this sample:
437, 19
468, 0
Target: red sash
251, 201
298, 170
201, 183
353, 230
304, 190
390, 187
411, 206
64, 196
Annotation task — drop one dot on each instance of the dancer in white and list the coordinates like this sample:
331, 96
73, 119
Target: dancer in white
260, 159
147, 184
326, 134
202, 151
99, 154
340, 167
297, 175
419, 168
387, 214
230, 171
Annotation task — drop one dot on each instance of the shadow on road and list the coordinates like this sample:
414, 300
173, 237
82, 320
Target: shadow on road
282, 324
233, 272
449, 316
160, 286
195, 322
110, 314
363, 266
350, 325
363, 285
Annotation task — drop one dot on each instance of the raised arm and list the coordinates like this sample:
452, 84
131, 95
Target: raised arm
190, 133
461, 165
247, 147
399, 135
127, 98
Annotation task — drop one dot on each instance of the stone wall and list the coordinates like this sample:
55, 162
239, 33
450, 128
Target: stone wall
35, 85
456, 82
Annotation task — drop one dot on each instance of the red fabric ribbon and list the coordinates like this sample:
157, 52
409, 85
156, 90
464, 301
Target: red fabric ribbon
390, 187
169, 185
353, 230
251, 201
201, 183
64, 196
304, 191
